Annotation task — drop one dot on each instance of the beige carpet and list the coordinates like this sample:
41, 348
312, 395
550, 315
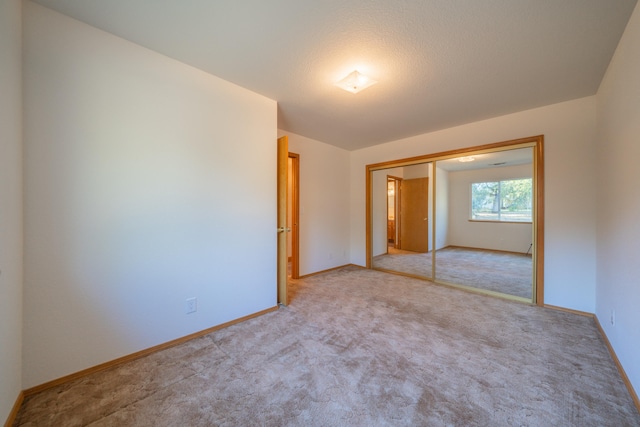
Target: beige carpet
358, 347
504, 272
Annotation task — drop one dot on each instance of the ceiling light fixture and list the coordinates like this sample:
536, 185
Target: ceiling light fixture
355, 82
466, 159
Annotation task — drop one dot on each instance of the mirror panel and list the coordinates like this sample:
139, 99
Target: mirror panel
401, 205
481, 209
485, 202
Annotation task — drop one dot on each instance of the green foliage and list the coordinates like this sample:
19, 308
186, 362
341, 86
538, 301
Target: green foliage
516, 194
509, 200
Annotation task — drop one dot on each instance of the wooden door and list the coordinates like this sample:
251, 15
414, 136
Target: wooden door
282, 229
414, 213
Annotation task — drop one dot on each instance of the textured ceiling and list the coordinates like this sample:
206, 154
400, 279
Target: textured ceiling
438, 63
520, 156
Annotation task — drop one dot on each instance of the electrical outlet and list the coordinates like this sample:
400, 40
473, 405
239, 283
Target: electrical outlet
613, 317
191, 305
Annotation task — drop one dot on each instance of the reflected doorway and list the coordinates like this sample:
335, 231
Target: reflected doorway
393, 212
414, 211
293, 216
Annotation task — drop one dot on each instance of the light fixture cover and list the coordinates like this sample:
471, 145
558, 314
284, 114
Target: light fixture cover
355, 82
466, 159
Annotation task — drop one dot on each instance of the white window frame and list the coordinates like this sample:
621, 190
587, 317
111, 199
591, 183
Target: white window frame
500, 210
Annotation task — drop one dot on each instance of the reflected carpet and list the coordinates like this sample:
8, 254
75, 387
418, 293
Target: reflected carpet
504, 272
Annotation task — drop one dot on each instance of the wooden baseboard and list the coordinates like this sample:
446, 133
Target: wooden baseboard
328, 270
569, 310
623, 374
484, 250
139, 354
14, 411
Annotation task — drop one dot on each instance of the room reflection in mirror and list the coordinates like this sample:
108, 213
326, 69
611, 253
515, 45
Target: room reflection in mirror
402, 200
486, 201
467, 220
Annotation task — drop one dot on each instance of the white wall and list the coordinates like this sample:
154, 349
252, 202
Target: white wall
379, 203
324, 203
147, 182
513, 237
569, 129
417, 171
442, 208
379, 214
618, 269
10, 204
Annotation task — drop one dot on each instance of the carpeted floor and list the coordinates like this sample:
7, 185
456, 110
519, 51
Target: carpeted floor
504, 272
359, 347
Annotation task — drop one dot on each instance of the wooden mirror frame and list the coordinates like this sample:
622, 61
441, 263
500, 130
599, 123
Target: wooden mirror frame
535, 142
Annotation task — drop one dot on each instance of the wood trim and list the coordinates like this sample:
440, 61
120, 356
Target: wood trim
330, 269
482, 249
536, 142
463, 288
139, 354
569, 310
369, 219
539, 229
295, 230
442, 155
398, 213
434, 220
493, 221
14, 411
487, 292
623, 374
281, 220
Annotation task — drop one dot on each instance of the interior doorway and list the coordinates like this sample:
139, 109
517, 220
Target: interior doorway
293, 215
288, 208
393, 212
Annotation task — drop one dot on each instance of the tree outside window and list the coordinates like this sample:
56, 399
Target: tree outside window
509, 200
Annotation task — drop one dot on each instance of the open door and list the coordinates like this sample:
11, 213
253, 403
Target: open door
282, 229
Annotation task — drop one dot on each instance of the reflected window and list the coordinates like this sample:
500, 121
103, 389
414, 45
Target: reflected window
508, 200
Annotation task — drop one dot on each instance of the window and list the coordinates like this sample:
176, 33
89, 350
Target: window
508, 200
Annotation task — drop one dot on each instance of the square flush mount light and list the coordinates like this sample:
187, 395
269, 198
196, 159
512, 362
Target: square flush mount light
355, 82
466, 159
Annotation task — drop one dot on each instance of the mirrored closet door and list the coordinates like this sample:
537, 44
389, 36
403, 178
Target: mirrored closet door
470, 218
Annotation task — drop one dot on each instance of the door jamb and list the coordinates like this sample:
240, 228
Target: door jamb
281, 224
295, 220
